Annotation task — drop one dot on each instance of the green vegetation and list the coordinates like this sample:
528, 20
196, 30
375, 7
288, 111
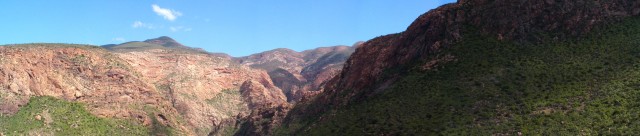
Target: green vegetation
46, 115
115, 62
327, 59
583, 86
229, 130
137, 46
158, 128
228, 102
269, 66
80, 59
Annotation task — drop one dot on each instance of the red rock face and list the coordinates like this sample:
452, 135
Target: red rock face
203, 90
262, 120
206, 89
262, 94
268, 104
106, 83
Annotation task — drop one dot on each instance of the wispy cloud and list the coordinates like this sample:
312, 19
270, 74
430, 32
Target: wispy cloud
119, 39
168, 14
139, 24
179, 28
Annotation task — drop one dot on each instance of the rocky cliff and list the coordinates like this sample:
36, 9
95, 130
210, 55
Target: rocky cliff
157, 80
106, 83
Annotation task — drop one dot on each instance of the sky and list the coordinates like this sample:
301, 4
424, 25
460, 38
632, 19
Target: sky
235, 27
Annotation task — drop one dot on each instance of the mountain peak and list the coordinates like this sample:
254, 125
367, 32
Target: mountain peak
164, 41
283, 50
164, 38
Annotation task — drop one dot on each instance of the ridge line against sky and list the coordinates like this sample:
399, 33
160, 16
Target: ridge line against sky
235, 27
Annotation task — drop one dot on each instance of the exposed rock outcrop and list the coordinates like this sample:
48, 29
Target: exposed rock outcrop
269, 107
261, 94
262, 120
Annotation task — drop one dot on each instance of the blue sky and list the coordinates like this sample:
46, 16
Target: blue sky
236, 27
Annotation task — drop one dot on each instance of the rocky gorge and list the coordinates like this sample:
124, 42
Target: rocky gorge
474, 67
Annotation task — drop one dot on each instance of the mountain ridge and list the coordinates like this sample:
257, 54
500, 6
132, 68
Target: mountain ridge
380, 63
474, 67
196, 90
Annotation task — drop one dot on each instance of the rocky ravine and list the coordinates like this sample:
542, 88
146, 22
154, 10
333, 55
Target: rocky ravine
182, 82
300, 74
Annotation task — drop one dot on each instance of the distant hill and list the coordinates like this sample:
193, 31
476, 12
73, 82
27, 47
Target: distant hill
162, 42
165, 41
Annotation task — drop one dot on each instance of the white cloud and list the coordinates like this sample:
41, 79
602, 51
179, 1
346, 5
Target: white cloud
179, 28
139, 24
119, 39
168, 14
175, 28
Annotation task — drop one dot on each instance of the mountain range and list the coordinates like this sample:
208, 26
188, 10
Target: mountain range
162, 83
474, 67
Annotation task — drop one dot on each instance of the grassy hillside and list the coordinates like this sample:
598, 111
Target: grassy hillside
143, 46
583, 86
136, 46
50, 116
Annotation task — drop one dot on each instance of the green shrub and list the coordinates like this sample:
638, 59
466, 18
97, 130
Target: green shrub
59, 117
